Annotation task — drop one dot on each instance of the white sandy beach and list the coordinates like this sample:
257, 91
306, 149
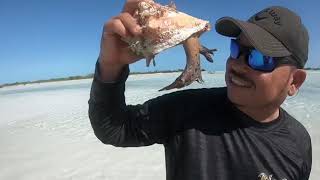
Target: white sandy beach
45, 132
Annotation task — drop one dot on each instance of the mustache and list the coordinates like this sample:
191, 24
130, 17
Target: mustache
242, 76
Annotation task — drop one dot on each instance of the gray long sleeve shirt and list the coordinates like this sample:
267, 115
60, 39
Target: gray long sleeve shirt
205, 136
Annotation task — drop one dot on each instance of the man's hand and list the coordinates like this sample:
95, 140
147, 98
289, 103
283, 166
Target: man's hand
115, 53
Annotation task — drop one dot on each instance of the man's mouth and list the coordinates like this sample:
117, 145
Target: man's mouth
238, 81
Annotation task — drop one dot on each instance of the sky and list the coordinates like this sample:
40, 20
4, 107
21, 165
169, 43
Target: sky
60, 38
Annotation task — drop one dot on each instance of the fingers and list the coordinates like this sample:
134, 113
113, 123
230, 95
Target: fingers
124, 25
130, 23
115, 26
130, 6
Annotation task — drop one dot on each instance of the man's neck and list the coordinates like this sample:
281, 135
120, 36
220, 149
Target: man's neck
262, 115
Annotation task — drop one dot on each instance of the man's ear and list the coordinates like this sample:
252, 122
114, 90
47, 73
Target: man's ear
299, 76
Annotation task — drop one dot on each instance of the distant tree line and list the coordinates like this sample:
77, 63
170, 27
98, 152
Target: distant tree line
154, 72
91, 76
81, 77
48, 80
309, 68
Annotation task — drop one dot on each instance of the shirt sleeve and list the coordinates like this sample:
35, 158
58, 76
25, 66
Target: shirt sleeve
123, 125
306, 167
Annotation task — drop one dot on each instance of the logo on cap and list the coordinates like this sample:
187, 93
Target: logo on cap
273, 13
258, 18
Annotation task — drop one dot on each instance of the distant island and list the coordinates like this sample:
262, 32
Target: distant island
312, 69
91, 76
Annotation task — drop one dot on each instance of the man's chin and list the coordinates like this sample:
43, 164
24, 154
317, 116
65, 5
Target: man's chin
236, 98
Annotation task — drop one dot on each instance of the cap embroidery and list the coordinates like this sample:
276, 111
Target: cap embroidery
258, 18
274, 15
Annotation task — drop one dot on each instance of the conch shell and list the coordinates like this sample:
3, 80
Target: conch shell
164, 27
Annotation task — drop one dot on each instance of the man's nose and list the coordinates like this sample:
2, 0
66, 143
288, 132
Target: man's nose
243, 58
241, 65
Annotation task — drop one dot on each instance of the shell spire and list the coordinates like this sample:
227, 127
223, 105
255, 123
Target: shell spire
163, 27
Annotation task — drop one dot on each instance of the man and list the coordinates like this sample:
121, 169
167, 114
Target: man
237, 132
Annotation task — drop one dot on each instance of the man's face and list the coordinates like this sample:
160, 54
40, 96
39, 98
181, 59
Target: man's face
255, 89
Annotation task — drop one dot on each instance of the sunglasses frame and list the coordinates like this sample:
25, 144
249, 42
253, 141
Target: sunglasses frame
276, 61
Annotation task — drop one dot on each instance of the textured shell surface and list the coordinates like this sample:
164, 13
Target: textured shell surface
163, 27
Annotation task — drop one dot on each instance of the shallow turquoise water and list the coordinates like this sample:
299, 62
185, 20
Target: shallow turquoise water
40, 118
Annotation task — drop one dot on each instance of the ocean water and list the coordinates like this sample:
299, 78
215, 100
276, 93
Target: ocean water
45, 131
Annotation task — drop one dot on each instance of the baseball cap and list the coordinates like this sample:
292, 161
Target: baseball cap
275, 31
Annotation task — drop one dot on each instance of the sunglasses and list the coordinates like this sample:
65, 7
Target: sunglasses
254, 58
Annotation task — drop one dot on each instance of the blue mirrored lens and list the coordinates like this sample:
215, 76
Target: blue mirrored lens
234, 49
260, 62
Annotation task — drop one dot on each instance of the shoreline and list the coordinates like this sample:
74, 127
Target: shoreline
89, 76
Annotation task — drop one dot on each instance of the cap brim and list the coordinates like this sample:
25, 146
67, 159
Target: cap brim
258, 37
